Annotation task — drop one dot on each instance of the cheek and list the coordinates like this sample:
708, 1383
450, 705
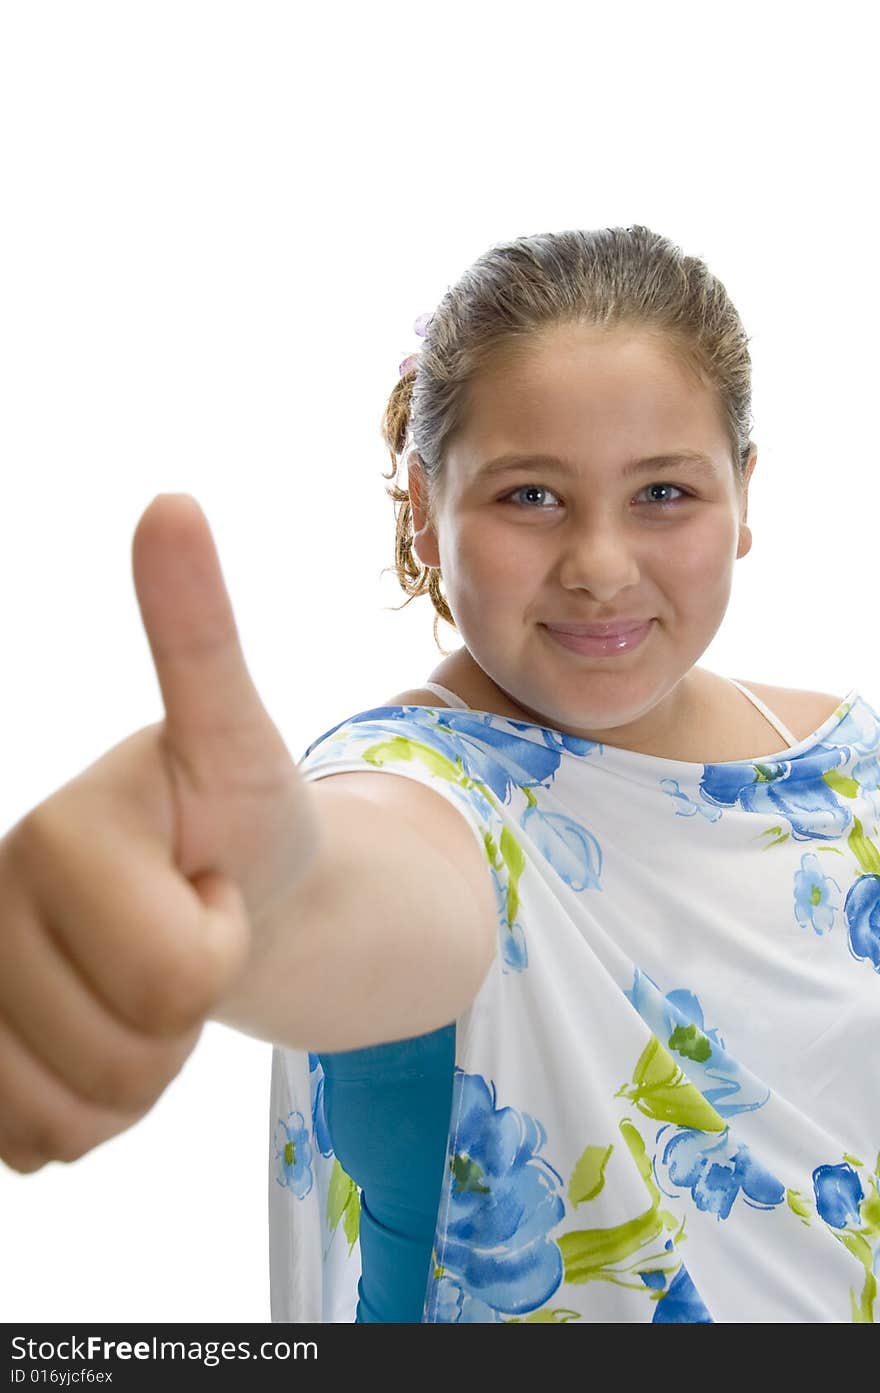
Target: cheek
493, 555
703, 559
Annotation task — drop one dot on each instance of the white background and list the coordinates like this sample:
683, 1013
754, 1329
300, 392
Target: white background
219, 223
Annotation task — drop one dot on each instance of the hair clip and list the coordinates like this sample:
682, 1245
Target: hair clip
421, 328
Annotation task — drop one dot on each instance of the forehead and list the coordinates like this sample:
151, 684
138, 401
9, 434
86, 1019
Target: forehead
589, 395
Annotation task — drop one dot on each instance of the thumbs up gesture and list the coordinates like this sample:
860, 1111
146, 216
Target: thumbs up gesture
130, 899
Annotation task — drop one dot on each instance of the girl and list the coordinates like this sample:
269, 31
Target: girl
574, 1019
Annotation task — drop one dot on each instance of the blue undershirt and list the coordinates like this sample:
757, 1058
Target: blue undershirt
387, 1110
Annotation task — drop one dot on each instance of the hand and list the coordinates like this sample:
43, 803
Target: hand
130, 899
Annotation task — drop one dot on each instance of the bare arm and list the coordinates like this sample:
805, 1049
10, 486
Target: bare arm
389, 935
192, 872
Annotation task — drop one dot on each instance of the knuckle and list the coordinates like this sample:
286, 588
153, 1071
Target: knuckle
171, 996
20, 1161
126, 1082
81, 1137
39, 1139
136, 1080
38, 840
17, 1152
30, 839
69, 1150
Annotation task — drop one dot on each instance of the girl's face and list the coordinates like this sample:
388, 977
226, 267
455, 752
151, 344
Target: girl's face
597, 537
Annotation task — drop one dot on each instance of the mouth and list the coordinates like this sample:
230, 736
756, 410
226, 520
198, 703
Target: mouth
601, 640
600, 630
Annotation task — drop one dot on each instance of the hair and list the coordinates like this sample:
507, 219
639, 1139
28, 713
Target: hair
517, 291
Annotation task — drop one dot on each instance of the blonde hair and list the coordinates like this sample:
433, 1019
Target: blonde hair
608, 278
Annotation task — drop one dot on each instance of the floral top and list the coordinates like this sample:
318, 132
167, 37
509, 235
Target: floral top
665, 1103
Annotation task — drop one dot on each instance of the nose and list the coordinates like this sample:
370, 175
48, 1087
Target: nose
599, 558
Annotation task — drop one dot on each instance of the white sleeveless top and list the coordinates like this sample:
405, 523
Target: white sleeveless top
665, 1102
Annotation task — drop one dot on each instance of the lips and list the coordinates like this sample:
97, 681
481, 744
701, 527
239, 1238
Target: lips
606, 630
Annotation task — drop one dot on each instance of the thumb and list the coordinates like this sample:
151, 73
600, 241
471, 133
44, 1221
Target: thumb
216, 726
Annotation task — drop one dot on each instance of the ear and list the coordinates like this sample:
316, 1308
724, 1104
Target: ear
425, 544
744, 544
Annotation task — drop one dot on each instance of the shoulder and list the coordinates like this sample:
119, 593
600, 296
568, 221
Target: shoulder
421, 817
423, 801
802, 711
418, 696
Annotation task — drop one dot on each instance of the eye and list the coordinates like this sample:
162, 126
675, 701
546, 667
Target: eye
664, 503
539, 488
528, 488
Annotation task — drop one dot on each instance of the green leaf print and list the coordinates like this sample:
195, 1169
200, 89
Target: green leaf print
588, 1176
863, 1309
869, 1212
799, 1206
863, 849
514, 858
660, 1090
690, 1041
402, 750
351, 1219
768, 773
343, 1202
468, 1175
840, 783
858, 1245
863, 1313
588, 1252
776, 832
596, 1254
638, 1152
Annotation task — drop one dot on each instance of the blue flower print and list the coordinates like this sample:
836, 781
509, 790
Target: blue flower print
560, 739
504, 1198
483, 763
665, 1014
677, 1021
859, 728
791, 789
686, 805
839, 1193
862, 910
866, 773
320, 1130
293, 1152
567, 846
481, 746
860, 731
815, 902
682, 1304
455, 1306
514, 953
715, 1172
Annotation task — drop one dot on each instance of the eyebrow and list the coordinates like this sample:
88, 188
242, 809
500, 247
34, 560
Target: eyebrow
686, 459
